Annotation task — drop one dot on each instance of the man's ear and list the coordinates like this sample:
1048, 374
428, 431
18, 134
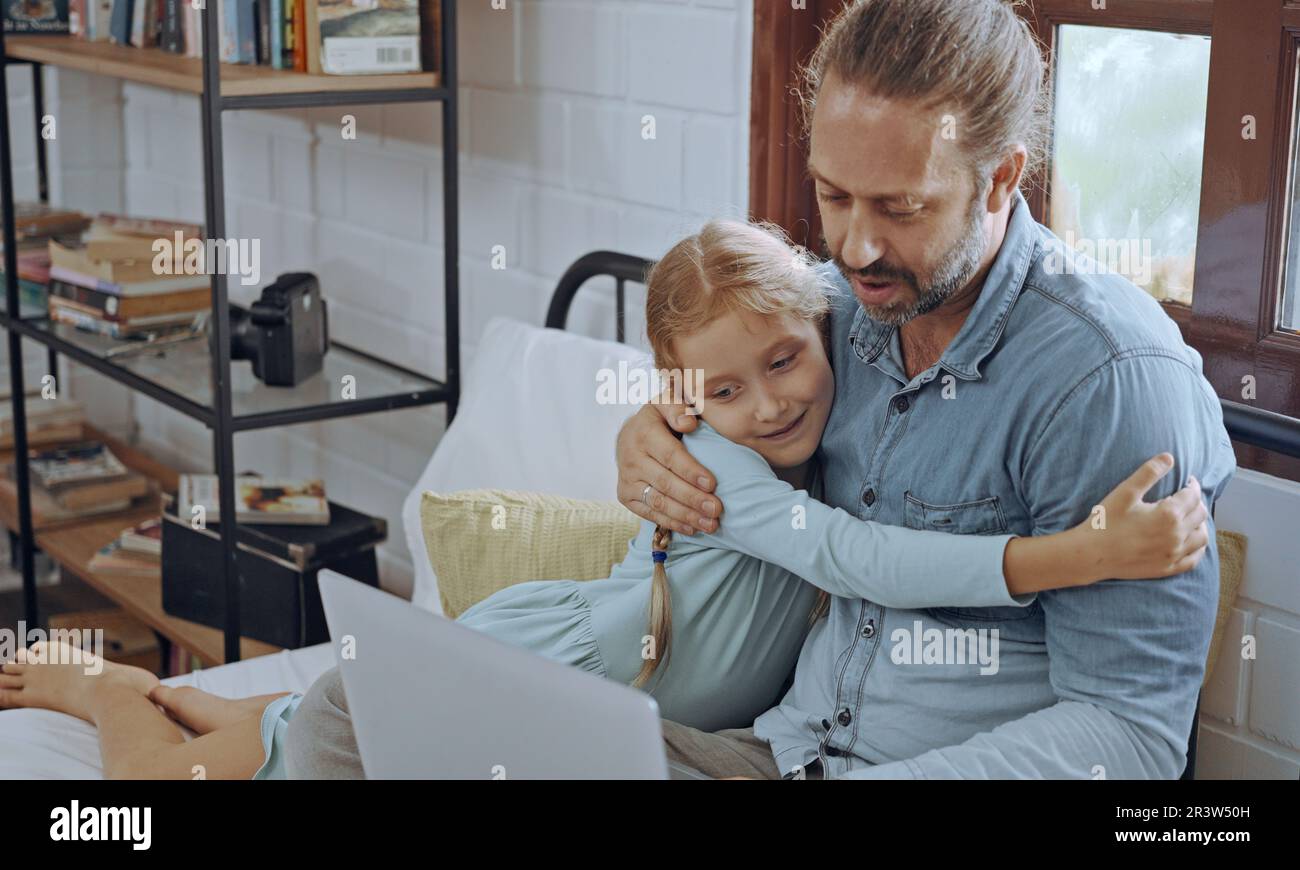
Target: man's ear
1006, 178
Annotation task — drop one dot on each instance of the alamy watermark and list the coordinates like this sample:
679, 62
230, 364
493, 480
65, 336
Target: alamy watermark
637, 385
950, 646
182, 256
1129, 257
64, 646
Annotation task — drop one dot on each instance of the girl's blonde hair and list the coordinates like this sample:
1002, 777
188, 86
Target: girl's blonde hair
728, 266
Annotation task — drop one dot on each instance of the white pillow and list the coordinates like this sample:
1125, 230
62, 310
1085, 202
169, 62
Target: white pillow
528, 420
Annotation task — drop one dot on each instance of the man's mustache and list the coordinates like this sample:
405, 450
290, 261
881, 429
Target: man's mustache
879, 272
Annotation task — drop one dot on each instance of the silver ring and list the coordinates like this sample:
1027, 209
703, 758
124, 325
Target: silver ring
645, 494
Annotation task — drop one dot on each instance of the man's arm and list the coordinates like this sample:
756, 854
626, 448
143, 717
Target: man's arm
1127, 657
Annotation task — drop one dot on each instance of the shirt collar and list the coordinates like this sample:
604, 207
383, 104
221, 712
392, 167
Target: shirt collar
984, 325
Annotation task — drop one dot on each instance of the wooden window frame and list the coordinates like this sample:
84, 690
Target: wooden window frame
1245, 184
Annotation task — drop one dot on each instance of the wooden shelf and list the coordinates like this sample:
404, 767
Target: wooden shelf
72, 543
141, 597
153, 66
131, 458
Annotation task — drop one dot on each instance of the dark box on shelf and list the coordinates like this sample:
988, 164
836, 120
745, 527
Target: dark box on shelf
279, 601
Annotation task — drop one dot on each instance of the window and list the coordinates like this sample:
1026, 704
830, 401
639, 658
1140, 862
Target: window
1127, 150
1157, 138
1289, 304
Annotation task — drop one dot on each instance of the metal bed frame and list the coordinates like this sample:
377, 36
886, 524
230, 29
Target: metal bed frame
1245, 424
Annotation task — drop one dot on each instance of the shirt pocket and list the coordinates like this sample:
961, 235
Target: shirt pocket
978, 517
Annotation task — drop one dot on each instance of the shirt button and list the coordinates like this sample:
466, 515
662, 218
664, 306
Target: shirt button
901, 404
845, 716
869, 630
869, 497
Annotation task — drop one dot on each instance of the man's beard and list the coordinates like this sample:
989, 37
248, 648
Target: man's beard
954, 271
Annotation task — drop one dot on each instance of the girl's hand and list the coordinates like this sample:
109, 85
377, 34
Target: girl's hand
1132, 539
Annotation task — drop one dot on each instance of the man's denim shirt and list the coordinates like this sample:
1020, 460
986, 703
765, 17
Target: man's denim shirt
1060, 384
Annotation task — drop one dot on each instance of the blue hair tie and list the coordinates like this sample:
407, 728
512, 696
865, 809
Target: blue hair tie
659, 555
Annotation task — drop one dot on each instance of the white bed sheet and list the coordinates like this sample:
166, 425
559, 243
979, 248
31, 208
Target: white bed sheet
42, 744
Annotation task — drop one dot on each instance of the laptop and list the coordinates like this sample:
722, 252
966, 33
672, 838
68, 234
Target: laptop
433, 699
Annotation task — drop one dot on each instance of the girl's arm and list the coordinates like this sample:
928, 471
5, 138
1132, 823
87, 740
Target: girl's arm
910, 568
1123, 538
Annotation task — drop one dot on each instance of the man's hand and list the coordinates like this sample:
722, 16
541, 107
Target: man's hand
649, 453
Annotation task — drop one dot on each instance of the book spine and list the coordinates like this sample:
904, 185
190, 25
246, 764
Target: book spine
311, 44
228, 22
89, 21
99, 15
87, 322
275, 28
120, 23
172, 38
141, 288
104, 303
123, 308
193, 31
120, 223
90, 281
153, 22
77, 18
262, 14
247, 31
139, 11
300, 35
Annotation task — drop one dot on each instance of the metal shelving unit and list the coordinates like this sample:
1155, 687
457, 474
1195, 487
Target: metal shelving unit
229, 401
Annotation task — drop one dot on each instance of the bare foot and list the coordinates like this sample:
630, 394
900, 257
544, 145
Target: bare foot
58, 676
202, 711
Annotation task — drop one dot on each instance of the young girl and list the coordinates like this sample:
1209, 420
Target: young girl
712, 624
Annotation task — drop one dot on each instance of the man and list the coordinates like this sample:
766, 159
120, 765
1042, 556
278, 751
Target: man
982, 386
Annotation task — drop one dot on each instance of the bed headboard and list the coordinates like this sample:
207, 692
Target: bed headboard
621, 267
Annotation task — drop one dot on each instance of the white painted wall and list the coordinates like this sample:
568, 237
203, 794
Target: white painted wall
553, 165
1250, 711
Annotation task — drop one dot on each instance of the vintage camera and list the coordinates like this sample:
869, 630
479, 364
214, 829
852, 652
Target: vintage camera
285, 333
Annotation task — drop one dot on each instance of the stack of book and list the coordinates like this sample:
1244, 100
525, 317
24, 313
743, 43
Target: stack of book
80, 480
49, 421
257, 500
337, 37
137, 552
109, 282
35, 225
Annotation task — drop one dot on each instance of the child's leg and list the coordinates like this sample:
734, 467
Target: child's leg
136, 740
202, 711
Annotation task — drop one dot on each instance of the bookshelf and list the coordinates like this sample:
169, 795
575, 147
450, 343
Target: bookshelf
153, 66
197, 378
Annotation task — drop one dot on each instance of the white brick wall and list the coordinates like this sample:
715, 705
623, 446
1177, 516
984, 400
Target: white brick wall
1250, 711
553, 165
